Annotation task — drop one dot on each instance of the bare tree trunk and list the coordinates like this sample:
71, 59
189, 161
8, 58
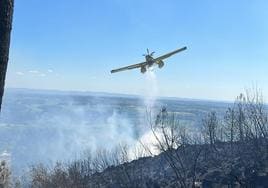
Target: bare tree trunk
6, 14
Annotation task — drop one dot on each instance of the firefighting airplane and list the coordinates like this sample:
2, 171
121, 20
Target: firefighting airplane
149, 61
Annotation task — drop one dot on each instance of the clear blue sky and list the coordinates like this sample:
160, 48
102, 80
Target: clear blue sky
73, 44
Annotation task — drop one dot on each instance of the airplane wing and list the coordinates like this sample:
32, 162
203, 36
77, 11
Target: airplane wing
170, 54
129, 67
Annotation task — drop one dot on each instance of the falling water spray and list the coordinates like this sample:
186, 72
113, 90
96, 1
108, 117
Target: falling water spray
148, 140
151, 89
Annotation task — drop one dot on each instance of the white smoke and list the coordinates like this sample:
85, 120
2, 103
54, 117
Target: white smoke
75, 135
48, 129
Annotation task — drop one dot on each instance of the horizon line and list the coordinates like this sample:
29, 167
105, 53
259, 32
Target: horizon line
123, 94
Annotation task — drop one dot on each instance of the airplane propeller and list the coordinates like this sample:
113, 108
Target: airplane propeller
148, 53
